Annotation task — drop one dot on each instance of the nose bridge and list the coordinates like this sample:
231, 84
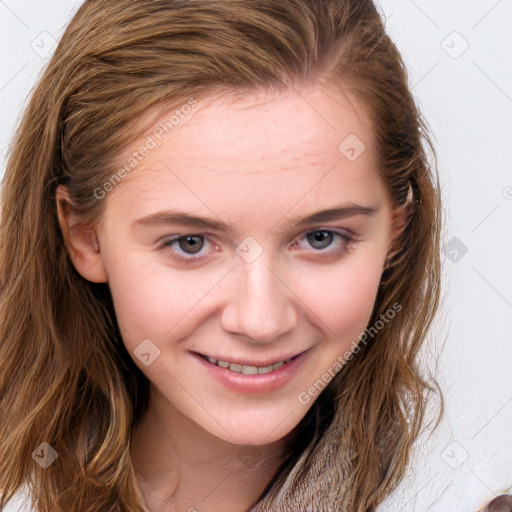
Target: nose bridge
261, 307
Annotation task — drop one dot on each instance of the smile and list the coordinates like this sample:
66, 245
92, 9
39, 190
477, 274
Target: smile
252, 376
246, 369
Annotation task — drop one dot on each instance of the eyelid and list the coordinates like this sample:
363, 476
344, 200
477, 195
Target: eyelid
340, 231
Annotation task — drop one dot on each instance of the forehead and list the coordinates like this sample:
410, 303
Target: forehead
251, 146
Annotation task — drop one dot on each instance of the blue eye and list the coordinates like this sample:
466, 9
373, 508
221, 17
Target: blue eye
184, 248
323, 238
320, 237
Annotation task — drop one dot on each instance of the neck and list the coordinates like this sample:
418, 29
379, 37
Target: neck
181, 467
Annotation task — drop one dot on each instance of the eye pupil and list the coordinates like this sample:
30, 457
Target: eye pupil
196, 246
324, 237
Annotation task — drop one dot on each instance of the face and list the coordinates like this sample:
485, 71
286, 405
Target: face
257, 274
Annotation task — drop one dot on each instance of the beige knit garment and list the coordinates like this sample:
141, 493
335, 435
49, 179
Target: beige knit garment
322, 487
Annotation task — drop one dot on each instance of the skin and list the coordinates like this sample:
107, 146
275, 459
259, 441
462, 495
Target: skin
258, 162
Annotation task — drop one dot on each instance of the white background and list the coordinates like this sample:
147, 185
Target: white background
459, 58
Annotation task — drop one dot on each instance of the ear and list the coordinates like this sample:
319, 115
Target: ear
81, 242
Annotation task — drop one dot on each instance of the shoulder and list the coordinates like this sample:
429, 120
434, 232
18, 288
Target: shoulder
20, 502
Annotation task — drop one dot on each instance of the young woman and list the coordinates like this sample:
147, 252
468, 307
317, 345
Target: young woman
219, 256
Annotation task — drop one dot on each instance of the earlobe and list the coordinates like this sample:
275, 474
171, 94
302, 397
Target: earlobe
81, 241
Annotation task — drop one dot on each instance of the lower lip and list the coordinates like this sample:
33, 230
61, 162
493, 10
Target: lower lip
263, 383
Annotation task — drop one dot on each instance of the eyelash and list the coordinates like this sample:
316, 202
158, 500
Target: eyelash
348, 240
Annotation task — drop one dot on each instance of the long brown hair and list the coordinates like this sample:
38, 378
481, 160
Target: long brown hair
66, 377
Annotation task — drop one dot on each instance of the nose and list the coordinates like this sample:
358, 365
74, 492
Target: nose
261, 305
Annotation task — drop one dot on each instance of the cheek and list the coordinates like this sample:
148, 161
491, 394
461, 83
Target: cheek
343, 296
151, 301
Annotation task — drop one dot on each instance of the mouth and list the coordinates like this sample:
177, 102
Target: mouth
251, 376
247, 369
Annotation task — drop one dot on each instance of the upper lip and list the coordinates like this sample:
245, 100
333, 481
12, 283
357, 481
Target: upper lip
252, 362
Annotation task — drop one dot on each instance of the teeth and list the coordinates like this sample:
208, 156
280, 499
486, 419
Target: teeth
246, 369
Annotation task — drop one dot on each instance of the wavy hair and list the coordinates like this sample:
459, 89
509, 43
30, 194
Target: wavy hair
66, 377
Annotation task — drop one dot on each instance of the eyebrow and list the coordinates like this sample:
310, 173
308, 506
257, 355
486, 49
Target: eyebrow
202, 223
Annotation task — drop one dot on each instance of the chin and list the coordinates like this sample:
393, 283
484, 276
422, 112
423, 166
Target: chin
256, 431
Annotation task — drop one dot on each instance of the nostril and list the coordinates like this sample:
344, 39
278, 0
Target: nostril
502, 503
